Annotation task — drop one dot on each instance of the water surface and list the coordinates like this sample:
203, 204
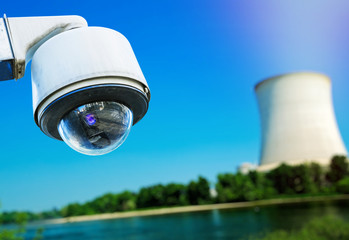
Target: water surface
214, 224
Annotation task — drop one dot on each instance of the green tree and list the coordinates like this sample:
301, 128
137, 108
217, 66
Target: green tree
175, 194
338, 169
235, 187
104, 204
151, 196
73, 209
342, 186
126, 201
263, 187
17, 233
198, 192
317, 177
282, 177
54, 213
297, 179
301, 179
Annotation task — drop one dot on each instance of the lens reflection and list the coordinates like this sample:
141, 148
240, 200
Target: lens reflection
96, 128
90, 119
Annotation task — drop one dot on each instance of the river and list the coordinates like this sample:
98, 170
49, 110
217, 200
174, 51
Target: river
214, 224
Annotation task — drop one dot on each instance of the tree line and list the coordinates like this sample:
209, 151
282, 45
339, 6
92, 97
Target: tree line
283, 181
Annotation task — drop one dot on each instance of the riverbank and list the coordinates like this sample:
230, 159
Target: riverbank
196, 208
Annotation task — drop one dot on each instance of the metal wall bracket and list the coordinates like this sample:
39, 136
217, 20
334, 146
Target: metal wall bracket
6, 53
21, 37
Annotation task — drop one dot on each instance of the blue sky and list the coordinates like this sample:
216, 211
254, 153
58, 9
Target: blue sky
201, 60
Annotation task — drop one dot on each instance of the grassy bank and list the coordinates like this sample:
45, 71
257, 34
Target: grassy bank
326, 228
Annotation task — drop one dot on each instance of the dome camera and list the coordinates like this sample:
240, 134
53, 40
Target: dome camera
88, 89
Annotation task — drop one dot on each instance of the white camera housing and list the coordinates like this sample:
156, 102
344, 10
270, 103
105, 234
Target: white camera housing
85, 65
73, 65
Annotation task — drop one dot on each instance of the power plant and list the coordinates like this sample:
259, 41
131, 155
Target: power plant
298, 123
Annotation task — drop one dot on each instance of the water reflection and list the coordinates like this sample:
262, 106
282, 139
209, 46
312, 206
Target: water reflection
207, 225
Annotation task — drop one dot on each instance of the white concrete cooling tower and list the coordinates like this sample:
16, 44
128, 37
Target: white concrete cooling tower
297, 120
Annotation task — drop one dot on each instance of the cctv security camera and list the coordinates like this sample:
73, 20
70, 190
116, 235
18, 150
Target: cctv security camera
88, 88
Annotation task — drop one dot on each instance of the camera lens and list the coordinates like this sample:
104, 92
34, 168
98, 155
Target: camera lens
96, 128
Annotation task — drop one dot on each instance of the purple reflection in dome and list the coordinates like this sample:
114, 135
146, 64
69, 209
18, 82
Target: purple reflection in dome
90, 119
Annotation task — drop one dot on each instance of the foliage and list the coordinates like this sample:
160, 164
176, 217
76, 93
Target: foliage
263, 187
10, 217
126, 201
150, 196
107, 203
175, 195
73, 209
285, 180
198, 192
317, 177
338, 169
342, 185
239, 187
172, 194
281, 178
233, 187
327, 228
299, 179
162, 195
17, 233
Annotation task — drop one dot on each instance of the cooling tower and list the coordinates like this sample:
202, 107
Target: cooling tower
297, 120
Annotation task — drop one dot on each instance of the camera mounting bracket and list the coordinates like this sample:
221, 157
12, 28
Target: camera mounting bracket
20, 37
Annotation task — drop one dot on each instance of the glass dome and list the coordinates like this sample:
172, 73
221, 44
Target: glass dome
96, 128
